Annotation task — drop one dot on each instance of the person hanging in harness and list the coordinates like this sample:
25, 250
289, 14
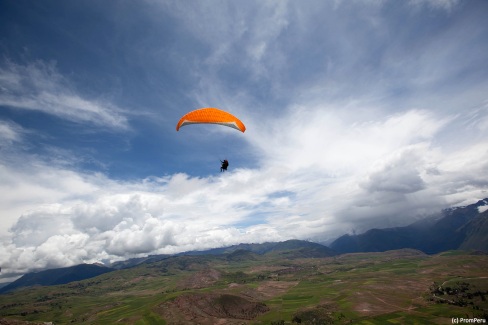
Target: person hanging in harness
224, 166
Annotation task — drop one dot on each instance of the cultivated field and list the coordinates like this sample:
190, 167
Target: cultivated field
397, 287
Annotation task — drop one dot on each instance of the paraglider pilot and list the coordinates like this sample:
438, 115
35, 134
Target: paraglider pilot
224, 166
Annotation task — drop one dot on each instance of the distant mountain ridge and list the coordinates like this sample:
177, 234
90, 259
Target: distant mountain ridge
290, 249
131, 262
293, 248
476, 233
57, 276
455, 228
300, 247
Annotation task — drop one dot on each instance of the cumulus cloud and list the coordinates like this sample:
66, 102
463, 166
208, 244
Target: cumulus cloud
100, 219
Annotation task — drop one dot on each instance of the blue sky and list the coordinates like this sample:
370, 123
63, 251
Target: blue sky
359, 114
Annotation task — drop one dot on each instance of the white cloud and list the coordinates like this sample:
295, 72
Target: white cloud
339, 143
446, 5
39, 86
10, 133
399, 176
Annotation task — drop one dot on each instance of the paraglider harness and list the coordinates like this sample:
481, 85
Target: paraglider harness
224, 166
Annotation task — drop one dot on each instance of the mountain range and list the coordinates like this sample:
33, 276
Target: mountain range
57, 276
292, 248
464, 228
455, 228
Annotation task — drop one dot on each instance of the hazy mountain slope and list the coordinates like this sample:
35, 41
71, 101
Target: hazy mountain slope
433, 235
307, 249
300, 249
138, 260
377, 240
57, 276
476, 233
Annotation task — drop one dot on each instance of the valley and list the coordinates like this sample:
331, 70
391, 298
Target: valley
400, 286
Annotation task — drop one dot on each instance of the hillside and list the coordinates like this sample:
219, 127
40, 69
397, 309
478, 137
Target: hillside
306, 247
453, 229
137, 261
56, 276
291, 248
402, 286
476, 233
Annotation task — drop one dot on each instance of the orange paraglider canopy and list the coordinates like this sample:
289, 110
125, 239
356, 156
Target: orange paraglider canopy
211, 115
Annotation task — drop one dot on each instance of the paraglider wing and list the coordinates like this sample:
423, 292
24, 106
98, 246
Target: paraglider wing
211, 115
